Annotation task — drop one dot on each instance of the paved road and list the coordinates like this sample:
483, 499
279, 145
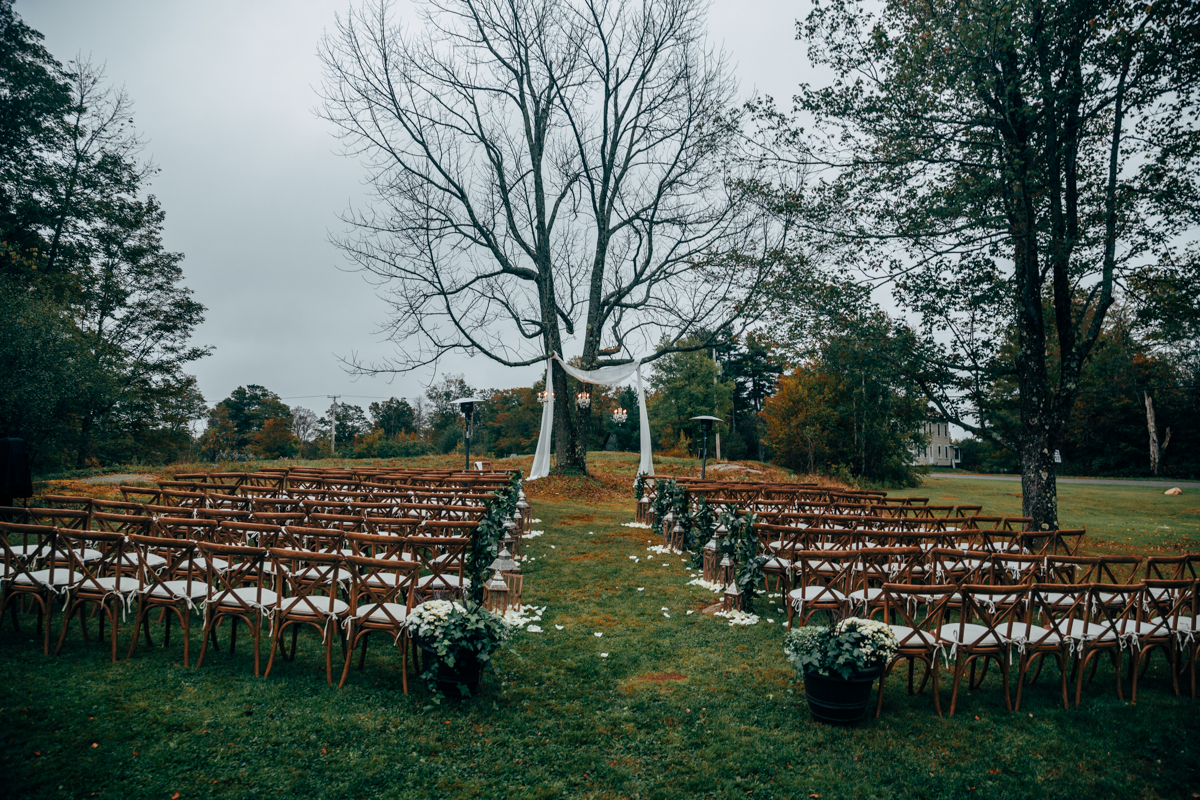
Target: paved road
1113, 481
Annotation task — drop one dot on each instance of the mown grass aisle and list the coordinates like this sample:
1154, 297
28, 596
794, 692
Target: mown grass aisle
684, 705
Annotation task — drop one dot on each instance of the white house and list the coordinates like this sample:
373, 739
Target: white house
941, 451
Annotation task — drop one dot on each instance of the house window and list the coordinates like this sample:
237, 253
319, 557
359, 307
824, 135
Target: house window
939, 451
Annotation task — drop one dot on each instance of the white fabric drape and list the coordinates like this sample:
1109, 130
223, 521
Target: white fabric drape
602, 376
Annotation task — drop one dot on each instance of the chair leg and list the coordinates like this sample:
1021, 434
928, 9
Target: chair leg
256, 629
209, 633
275, 637
937, 700
71, 610
347, 655
137, 622
958, 670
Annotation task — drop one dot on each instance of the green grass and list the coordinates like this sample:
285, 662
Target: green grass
1116, 517
560, 721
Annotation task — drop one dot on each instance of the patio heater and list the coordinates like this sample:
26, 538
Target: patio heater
706, 426
466, 405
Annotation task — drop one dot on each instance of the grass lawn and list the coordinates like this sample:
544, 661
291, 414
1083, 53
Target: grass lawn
683, 706
1117, 518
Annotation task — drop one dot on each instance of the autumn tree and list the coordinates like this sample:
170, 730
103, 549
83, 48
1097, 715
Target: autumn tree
1002, 166
242, 415
548, 174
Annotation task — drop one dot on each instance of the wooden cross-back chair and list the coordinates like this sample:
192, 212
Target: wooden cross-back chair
874, 567
820, 583
915, 614
33, 570
307, 585
176, 590
66, 518
382, 593
242, 591
443, 564
989, 622
105, 585
1165, 622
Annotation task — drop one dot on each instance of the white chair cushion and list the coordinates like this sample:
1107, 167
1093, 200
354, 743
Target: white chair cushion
1184, 624
376, 613
919, 637
247, 594
867, 595
972, 635
316, 604
449, 581
58, 577
1090, 631
824, 593
777, 563
179, 590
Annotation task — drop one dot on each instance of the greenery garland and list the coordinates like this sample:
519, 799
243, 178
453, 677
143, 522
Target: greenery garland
703, 522
639, 486
485, 539
741, 545
664, 498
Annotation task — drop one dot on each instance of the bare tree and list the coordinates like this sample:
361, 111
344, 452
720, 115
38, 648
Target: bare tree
304, 424
545, 172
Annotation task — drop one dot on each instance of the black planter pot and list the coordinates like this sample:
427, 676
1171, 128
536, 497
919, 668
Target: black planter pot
839, 701
467, 671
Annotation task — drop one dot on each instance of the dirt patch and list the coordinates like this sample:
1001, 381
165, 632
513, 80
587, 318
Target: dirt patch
584, 557
658, 677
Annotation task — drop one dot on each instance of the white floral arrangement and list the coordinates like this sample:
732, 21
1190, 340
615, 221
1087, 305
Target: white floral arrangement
852, 646
426, 619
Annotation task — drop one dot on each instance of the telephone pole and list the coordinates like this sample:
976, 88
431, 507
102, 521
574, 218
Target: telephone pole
333, 424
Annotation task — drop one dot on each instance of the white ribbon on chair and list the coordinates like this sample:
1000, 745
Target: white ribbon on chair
605, 376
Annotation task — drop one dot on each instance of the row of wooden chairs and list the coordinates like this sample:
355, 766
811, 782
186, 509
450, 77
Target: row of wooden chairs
346, 592
835, 580
1075, 624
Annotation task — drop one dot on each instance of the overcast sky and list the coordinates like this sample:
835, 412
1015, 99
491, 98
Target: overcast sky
252, 183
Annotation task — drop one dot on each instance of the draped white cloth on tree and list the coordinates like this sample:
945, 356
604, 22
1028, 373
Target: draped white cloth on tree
605, 376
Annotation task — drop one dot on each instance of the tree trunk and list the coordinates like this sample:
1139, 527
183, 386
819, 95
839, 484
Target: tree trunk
570, 446
1039, 487
1156, 450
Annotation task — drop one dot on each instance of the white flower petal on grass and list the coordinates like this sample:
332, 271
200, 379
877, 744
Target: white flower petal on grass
560, 627
552, 547
665, 614
604, 655
641, 588
534, 520
771, 621
690, 611
533, 629
597, 634
665, 608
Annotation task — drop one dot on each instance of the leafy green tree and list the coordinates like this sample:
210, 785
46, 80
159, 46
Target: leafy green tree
41, 364
849, 411
393, 416
34, 101
754, 363
78, 229
351, 424
990, 156
686, 385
